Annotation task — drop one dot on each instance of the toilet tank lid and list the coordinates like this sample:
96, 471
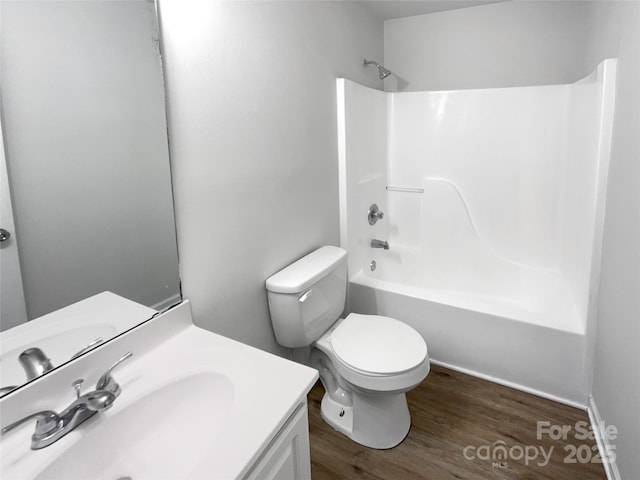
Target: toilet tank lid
302, 274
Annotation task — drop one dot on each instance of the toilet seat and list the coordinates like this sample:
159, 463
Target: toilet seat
377, 345
377, 382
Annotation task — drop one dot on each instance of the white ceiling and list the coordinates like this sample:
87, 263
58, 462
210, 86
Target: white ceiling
388, 9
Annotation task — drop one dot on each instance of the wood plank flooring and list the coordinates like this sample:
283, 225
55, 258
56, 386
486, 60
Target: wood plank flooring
451, 411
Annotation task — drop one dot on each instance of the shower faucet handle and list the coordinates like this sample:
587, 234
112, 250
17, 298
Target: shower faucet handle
374, 214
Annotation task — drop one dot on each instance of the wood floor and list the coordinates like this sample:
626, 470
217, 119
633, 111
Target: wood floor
451, 411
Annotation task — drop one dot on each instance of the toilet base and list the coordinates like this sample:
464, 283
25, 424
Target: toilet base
374, 420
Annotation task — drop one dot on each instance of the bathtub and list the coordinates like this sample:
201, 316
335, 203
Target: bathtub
532, 295
486, 335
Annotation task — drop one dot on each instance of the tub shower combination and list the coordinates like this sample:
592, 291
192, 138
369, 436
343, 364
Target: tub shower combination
493, 206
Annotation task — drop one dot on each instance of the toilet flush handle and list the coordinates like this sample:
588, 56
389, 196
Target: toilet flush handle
303, 298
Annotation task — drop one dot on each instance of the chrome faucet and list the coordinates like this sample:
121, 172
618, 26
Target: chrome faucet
35, 362
51, 426
379, 244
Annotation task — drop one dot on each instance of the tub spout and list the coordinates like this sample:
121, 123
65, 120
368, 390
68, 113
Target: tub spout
379, 244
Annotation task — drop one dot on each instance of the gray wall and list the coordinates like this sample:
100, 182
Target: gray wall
252, 123
498, 45
616, 385
85, 134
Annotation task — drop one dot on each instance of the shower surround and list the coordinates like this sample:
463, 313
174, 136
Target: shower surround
494, 206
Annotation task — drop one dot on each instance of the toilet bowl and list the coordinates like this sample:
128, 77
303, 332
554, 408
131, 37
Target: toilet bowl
366, 362
368, 402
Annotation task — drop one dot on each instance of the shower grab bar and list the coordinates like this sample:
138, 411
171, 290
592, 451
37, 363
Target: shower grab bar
405, 189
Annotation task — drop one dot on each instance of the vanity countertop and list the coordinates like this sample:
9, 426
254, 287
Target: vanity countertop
196, 405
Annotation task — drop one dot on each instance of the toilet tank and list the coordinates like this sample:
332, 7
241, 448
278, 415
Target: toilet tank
308, 296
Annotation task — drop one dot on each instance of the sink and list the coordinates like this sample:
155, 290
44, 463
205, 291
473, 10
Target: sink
144, 439
193, 404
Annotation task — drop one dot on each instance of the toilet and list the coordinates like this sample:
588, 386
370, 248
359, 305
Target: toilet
366, 362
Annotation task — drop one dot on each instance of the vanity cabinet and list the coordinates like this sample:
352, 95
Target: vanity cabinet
287, 456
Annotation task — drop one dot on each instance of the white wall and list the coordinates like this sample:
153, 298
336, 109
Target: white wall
87, 153
498, 45
252, 123
616, 387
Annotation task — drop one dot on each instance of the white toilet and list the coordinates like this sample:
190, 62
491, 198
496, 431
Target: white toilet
366, 362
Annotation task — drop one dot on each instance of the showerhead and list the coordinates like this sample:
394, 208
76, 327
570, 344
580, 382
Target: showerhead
382, 72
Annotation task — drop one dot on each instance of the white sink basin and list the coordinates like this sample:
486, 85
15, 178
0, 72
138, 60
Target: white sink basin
164, 434
193, 404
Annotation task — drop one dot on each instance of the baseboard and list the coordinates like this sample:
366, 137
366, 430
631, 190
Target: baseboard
513, 385
610, 467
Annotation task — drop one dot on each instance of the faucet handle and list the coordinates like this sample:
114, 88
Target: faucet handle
106, 381
6, 390
87, 348
47, 422
374, 214
77, 385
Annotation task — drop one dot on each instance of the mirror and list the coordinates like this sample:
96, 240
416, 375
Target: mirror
88, 244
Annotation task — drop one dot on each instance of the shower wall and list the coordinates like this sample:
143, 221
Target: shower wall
589, 132
523, 164
499, 191
362, 138
503, 151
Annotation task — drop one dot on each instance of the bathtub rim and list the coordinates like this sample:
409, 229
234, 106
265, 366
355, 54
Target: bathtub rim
576, 327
